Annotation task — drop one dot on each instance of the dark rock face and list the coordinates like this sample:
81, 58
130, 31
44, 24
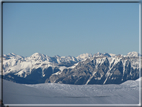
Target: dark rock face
91, 72
34, 78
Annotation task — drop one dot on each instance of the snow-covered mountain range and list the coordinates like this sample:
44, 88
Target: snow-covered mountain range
100, 68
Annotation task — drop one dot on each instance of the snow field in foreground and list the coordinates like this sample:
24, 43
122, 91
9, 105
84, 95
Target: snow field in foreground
53, 93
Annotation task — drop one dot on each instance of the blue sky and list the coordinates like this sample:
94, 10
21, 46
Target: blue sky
70, 28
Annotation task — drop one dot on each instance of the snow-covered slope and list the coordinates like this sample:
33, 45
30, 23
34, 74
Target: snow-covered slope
53, 93
23, 66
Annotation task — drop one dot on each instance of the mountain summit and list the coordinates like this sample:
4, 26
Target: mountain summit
133, 54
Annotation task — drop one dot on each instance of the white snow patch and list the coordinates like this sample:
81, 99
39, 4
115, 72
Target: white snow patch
62, 68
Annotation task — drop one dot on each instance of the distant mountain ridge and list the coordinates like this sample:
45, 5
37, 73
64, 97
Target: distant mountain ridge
84, 69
